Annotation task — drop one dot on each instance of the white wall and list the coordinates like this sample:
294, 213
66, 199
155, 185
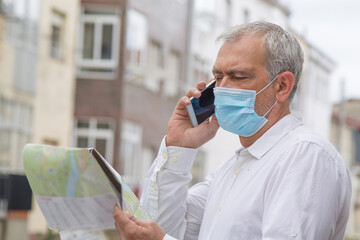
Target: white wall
55, 93
54, 103
316, 102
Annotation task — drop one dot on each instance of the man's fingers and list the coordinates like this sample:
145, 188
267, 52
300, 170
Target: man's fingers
142, 223
131, 217
124, 224
182, 103
130, 227
195, 92
120, 217
201, 85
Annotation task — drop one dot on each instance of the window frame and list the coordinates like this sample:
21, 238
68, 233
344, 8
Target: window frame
131, 54
92, 132
58, 21
111, 65
131, 171
16, 119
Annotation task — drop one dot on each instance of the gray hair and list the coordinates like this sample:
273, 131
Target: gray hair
283, 52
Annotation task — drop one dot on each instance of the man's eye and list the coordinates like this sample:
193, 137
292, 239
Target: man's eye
238, 78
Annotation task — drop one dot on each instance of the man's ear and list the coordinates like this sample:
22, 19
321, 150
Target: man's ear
285, 83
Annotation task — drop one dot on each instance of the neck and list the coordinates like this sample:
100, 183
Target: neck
274, 116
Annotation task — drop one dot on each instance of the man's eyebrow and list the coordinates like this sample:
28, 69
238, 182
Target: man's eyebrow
215, 70
232, 72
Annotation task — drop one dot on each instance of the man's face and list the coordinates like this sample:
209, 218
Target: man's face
241, 64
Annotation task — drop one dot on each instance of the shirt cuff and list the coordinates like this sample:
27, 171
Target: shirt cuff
175, 158
168, 237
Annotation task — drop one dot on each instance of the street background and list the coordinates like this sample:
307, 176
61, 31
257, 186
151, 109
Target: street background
108, 73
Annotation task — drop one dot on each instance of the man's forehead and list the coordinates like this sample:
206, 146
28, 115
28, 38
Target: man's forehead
242, 55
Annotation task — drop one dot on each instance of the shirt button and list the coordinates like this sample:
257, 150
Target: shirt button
164, 155
219, 208
236, 171
294, 234
154, 187
174, 159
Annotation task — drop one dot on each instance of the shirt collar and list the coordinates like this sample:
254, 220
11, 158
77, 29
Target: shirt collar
273, 135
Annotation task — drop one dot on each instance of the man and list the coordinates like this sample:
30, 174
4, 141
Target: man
284, 183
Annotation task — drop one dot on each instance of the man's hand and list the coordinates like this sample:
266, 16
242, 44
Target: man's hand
180, 131
131, 228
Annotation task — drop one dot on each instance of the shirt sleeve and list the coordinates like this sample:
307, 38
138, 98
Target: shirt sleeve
166, 196
168, 237
308, 198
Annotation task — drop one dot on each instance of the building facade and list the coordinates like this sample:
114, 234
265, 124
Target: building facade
345, 135
313, 90
130, 61
108, 74
18, 66
55, 83
98, 95
156, 43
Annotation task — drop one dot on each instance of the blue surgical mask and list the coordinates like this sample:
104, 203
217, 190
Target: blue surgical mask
234, 109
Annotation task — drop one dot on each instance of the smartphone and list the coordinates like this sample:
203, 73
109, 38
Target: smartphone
203, 107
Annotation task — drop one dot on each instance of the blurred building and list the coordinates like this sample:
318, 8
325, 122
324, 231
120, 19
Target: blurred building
36, 95
108, 73
99, 83
345, 135
128, 78
55, 83
18, 67
155, 56
312, 95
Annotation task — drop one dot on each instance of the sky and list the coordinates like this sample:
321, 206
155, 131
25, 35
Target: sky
333, 27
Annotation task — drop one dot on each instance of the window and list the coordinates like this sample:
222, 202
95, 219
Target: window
155, 55
136, 38
131, 139
156, 72
15, 132
174, 73
99, 41
22, 18
200, 70
57, 31
21, 31
95, 133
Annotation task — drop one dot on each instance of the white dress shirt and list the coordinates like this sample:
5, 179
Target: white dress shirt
289, 184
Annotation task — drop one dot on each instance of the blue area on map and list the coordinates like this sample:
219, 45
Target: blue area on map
73, 177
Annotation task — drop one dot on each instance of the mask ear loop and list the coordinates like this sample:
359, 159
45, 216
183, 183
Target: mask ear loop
271, 108
267, 85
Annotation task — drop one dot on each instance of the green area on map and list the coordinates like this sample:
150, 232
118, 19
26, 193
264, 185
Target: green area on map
71, 172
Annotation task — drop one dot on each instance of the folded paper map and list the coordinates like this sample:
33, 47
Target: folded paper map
73, 188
